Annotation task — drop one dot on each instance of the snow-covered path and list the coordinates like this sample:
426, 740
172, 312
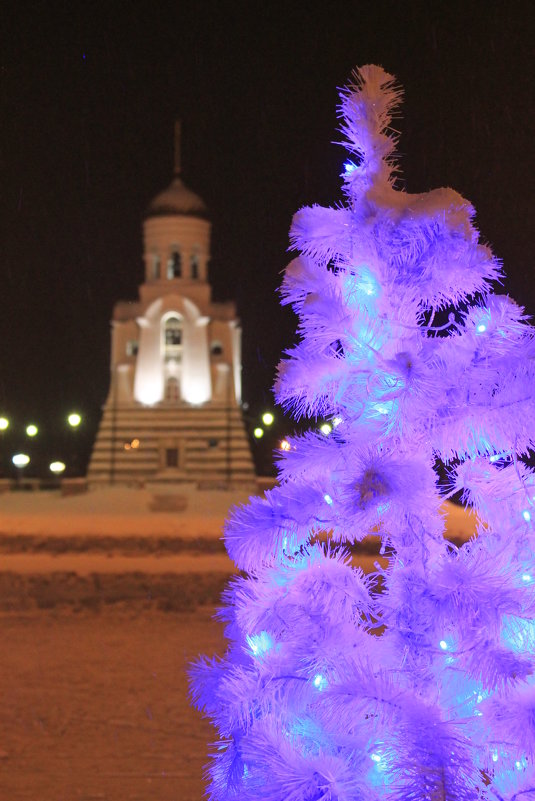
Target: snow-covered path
94, 704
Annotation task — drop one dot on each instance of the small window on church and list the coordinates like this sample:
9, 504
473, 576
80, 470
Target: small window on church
195, 265
132, 347
174, 264
173, 331
171, 390
171, 457
172, 338
155, 266
216, 348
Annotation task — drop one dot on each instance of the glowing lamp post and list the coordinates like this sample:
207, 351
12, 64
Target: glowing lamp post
74, 420
32, 430
20, 460
268, 418
4, 425
57, 468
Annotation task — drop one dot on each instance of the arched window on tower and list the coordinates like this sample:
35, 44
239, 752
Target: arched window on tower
174, 263
155, 266
194, 264
172, 337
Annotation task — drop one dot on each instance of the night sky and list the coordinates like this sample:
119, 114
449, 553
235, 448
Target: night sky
89, 96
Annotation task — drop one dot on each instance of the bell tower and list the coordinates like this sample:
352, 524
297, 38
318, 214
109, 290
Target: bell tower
173, 410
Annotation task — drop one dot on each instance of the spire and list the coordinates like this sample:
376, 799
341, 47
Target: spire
177, 167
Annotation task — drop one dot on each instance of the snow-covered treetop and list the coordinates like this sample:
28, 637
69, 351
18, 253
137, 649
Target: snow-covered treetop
415, 682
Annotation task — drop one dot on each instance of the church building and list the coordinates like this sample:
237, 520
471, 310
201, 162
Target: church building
173, 411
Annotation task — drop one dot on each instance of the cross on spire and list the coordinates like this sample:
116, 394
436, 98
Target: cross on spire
177, 165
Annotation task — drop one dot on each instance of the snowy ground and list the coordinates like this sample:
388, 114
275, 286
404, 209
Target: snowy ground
103, 603
94, 704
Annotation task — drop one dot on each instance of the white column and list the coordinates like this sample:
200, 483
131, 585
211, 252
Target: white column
235, 337
196, 385
149, 379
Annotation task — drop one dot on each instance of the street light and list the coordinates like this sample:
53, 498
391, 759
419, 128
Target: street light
32, 430
4, 423
57, 467
258, 433
74, 419
20, 460
267, 418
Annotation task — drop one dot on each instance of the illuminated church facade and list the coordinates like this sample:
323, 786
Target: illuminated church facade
173, 410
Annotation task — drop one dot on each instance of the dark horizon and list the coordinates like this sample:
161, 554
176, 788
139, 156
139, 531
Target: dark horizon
89, 100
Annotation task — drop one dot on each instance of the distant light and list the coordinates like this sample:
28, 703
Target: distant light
481, 327
57, 467
32, 430
4, 423
336, 421
21, 459
326, 429
319, 681
526, 515
285, 445
127, 446
349, 166
74, 419
375, 757
267, 418
258, 433
328, 499
444, 645
134, 443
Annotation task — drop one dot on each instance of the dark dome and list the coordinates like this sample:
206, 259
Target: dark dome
177, 199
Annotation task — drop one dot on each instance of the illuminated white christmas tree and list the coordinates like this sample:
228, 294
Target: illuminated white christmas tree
414, 682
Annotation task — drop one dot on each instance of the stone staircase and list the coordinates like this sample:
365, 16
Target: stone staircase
206, 444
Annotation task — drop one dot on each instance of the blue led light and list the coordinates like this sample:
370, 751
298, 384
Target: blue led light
349, 166
481, 327
527, 578
367, 286
319, 681
375, 757
526, 515
328, 499
259, 643
379, 407
444, 645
